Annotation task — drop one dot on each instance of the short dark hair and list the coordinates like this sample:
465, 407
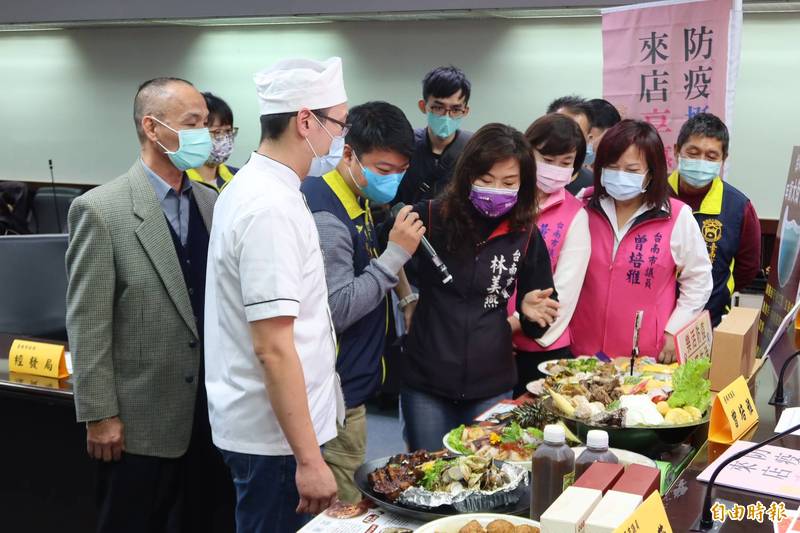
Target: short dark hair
442, 82
144, 101
705, 125
605, 114
573, 104
557, 134
218, 109
645, 137
273, 126
379, 126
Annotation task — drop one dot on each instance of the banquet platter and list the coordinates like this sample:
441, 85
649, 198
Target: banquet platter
426, 486
656, 405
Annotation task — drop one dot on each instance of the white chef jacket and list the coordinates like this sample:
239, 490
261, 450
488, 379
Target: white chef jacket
264, 261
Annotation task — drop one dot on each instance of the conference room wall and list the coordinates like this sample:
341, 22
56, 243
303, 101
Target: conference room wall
67, 94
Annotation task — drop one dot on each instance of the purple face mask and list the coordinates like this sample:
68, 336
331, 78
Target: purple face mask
493, 202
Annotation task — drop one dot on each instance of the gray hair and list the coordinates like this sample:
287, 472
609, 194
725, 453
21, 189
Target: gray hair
149, 100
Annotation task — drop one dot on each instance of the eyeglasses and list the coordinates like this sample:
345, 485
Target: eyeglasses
220, 134
345, 127
456, 111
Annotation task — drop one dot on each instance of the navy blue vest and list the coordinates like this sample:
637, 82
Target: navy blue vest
722, 232
360, 348
192, 258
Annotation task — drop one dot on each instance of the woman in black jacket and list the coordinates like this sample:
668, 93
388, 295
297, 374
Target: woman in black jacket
459, 359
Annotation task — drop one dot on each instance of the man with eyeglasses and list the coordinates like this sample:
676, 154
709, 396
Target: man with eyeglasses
215, 173
445, 101
273, 395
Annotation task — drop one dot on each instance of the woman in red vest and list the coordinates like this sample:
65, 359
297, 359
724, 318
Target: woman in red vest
559, 148
647, 251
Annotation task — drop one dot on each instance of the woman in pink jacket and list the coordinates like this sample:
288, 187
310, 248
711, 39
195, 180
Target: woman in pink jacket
647, 251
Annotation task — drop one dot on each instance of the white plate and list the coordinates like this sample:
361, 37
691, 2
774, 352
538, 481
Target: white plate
536, 387
625, 457
523, 464
452, 524
542, 367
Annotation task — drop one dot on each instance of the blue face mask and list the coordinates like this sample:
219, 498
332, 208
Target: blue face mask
443, 126
698, 173
322, 164
621, 185
589, 159
194, 147
381, 188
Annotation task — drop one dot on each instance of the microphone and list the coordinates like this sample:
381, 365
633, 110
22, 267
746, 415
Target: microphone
55, 200
778, 398
426, 245
706, 521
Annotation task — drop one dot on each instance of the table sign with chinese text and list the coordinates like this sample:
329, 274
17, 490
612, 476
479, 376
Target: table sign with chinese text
770, 470
37, 358
648, 517
695, 339
733, 413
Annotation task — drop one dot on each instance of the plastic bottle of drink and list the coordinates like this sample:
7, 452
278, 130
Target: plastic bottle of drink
553, 470
596, 450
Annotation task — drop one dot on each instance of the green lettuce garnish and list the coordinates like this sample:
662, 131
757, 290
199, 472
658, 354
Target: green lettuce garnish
432, 477
690, 386
512, 433
583, 365
454, 441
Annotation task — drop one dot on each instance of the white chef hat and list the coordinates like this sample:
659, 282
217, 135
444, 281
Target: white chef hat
292, 84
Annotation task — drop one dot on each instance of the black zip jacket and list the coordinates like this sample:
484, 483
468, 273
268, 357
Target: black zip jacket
459, 346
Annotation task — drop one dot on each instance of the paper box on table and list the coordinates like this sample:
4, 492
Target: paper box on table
734, 350
640, 480
600, 476
569, 512
613, 510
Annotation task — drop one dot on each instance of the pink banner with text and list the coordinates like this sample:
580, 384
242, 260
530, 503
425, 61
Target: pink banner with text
667, 61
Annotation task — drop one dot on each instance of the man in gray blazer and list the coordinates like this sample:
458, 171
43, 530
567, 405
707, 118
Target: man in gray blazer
136, 264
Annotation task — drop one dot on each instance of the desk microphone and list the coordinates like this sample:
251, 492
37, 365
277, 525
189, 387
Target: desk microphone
55, 200
706, 518
426, 245
778, 398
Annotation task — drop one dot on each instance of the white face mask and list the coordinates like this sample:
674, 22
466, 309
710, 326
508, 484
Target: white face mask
321, 165
551, 178
621, 185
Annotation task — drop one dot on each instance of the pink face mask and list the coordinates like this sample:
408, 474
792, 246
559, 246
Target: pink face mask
552, 178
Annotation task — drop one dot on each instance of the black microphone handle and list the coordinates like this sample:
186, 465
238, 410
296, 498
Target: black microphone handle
778, 398
707, 520
428, 247
396, 209
437, 262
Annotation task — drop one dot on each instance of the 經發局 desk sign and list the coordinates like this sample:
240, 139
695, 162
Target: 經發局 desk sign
38, 359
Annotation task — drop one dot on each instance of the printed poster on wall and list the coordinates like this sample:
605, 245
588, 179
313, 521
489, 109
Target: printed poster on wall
665, 62
783, 285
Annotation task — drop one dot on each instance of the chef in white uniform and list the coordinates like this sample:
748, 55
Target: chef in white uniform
273, 395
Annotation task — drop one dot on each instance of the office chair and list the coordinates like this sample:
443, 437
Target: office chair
50, 208
33, 289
